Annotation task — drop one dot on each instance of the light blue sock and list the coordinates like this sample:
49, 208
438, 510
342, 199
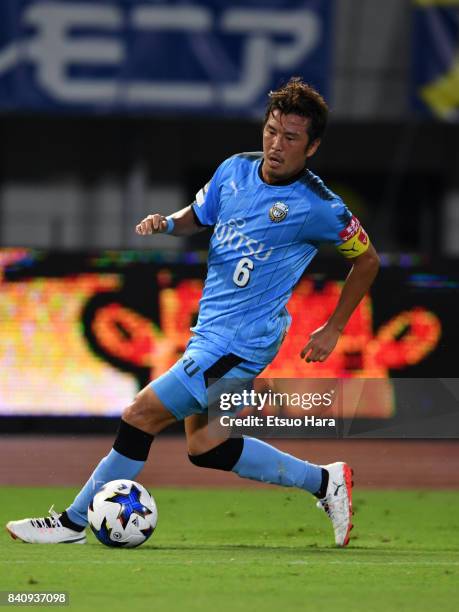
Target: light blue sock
111, 467
263, 462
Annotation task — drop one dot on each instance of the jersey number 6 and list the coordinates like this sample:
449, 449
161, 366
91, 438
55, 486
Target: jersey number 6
241, 274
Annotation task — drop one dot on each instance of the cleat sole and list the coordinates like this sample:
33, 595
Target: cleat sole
348, 473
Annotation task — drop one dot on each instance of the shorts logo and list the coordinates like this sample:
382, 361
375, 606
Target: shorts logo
350, 230
190, 366
278, 212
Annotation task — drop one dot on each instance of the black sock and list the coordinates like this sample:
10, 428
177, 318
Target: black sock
323, 487
66, 522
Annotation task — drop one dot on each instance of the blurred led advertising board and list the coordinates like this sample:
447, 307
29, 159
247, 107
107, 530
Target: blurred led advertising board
80, 334
206, 56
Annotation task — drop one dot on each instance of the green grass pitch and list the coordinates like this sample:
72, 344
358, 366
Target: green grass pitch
268, 550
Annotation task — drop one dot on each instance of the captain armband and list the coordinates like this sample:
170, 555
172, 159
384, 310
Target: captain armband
355, 239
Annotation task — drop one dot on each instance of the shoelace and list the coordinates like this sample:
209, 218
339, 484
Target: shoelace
53, 520
322, 504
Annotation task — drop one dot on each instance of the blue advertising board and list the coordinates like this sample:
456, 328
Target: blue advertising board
200, 57
435, 69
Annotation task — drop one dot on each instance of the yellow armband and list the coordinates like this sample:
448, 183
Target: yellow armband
356, 240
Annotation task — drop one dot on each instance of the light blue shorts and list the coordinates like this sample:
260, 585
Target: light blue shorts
183, 389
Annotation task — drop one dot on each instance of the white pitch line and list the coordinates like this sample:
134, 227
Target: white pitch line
140, 562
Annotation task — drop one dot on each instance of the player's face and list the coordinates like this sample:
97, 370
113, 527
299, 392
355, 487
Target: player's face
286, 146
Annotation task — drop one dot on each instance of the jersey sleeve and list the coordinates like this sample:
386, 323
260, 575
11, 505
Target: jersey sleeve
331, 221
207, 202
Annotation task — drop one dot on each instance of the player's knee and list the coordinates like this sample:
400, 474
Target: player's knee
135, 414
221, 457
144, 414
198, 444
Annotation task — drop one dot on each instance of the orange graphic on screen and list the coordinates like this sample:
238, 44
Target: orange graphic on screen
360, 353
133, 339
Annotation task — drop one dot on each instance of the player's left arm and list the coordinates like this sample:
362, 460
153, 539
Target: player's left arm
354, 244
323, 340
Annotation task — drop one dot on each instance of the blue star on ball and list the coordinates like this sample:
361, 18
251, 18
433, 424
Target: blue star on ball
129, 504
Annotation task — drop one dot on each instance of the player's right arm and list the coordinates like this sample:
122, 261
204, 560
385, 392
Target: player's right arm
200, 215
184, 224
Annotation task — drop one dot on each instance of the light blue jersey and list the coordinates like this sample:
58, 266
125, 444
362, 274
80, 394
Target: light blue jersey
264, 237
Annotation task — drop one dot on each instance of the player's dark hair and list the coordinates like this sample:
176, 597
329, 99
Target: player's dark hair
298, 98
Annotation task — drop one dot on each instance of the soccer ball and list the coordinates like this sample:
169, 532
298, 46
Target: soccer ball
122, 514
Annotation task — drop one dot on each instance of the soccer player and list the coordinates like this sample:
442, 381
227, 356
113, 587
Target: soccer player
269, 214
